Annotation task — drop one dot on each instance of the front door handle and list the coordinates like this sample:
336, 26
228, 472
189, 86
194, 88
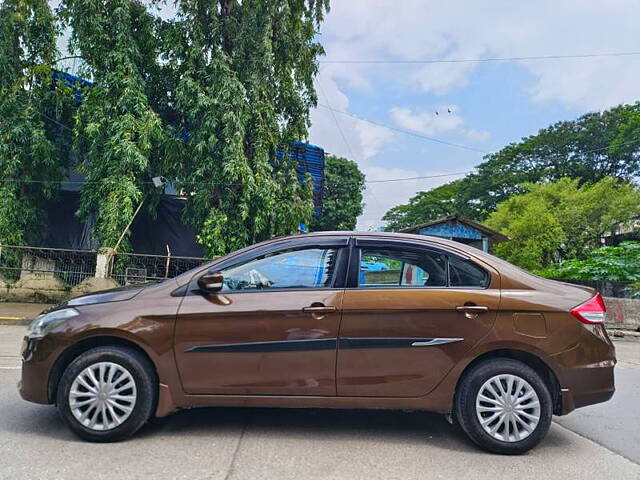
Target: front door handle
319, 310
472, 311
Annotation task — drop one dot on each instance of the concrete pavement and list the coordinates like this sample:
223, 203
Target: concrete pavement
286, 444
616, 423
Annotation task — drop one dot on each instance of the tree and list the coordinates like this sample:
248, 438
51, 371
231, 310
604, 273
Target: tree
561, 220
116, 128
28, 157
592, 147
618, 264
205, 99
426, 207
244, 87
342, 195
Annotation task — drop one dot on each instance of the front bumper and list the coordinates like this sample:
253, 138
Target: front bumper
36, 367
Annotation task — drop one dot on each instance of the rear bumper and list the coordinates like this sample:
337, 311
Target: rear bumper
585, 371
587, 386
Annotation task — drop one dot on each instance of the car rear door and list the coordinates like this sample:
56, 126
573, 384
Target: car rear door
273, 328
410, 312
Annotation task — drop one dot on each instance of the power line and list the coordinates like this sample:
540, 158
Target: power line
194, 183
406, 132
83, 182
344, 137
490, 59
335, 119
422, 177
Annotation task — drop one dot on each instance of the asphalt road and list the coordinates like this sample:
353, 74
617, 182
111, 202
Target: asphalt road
308, 444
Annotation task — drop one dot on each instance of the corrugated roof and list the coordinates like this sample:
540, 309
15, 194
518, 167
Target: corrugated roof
495, 236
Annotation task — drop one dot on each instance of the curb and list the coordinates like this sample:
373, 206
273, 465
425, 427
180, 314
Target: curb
623, 335
15, 321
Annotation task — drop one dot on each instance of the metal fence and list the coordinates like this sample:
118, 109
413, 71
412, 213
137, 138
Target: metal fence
128, 268
69, 266
54, 272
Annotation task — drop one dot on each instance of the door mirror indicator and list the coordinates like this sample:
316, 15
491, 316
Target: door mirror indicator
211, 282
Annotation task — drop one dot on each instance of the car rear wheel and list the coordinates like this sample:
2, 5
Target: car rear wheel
504, 406
107, 393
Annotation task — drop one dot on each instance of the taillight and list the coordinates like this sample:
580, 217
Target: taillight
591, 311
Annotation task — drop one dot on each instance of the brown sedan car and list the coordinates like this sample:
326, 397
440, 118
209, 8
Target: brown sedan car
334, 319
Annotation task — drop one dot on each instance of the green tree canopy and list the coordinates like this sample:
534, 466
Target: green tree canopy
594, 146
618, 264
27, 153
561, 220
205, 98
426, 206
244, 87
342, 195
116, 127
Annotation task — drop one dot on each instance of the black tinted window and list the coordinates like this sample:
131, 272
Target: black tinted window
464, 273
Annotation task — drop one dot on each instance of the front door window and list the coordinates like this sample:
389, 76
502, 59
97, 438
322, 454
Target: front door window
294, 269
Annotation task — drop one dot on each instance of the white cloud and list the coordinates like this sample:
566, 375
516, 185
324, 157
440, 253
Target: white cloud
380, 197
440, 78
478, 135
457, 29
341, 134
440, 120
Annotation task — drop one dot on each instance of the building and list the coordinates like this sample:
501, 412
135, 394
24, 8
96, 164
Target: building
460, 229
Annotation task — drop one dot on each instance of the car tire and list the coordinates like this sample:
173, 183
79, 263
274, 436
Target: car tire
505, 391
107, 393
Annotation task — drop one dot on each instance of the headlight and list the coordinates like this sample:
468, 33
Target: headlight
44, 323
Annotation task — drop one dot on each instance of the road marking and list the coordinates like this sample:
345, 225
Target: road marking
10, 368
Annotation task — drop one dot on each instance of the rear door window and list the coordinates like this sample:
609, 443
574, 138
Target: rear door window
402, 268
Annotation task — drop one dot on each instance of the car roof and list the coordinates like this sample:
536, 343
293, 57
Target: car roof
390, 235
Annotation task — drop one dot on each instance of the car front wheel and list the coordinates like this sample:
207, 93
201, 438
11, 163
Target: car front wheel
107, 393
504, 406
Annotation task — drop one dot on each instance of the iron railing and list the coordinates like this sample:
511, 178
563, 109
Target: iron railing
54, 272
128, 268
69, 266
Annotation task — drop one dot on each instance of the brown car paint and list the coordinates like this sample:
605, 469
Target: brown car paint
261, 349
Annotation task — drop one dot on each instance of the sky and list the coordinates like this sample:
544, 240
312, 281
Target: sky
481, 106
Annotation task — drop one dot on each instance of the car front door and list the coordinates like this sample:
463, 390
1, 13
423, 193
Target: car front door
412, 311
271, 330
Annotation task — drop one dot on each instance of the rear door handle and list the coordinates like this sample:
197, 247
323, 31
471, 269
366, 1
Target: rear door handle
472, 311
320, 309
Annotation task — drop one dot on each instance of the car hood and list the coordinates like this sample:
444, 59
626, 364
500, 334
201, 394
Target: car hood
106, 296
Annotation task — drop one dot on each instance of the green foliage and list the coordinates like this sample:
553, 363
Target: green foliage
204, 99
561, 220
116, 128
592, 147
618, 264
244, 87
426, 207
27, 48
342, 195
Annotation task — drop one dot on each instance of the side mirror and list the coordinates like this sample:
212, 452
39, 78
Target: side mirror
211, 282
